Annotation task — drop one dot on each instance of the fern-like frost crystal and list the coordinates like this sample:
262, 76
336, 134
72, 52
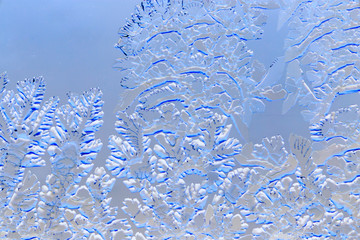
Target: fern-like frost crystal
194, 86
35, 133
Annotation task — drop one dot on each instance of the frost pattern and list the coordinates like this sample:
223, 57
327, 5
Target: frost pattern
322, 54
193, 86
35, 133
196, 51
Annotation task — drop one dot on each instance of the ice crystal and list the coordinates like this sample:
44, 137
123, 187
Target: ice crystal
197, 51
35, 133
193, 86
322, 54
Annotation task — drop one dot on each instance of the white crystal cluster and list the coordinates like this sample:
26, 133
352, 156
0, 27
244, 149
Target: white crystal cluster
35, 133
193, 86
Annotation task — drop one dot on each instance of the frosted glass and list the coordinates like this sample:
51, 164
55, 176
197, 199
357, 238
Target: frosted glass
234, 120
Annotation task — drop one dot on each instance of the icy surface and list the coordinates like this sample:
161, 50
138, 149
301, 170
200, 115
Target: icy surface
322, 55
34, 133
192, 87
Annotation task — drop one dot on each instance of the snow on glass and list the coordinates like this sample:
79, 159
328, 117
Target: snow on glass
193, 86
